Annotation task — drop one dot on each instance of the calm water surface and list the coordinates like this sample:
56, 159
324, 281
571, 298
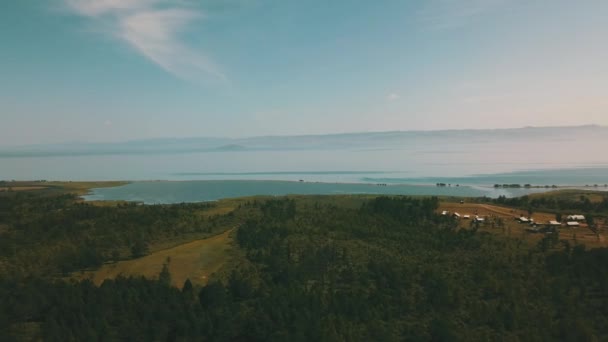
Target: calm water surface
408, 162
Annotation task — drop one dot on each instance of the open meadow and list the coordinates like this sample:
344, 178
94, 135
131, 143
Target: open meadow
196, 260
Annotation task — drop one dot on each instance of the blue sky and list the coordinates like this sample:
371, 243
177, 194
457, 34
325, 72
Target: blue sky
113, 70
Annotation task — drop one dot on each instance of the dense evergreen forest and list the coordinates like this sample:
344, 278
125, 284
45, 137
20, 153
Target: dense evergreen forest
59, 234
387, 269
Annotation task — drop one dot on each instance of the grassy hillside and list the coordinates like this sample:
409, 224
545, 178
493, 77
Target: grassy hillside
196, 260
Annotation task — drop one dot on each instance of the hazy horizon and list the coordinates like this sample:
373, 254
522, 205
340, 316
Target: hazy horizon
326, 140
109, 70
245, 137
400, 154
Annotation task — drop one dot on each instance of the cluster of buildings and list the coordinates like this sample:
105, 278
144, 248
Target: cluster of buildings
572, 221
476, 218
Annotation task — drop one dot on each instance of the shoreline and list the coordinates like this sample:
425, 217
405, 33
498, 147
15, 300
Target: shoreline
412, 184
30, 185
191, 191
166, 192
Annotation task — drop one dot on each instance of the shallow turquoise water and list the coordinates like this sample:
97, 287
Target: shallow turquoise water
197, 191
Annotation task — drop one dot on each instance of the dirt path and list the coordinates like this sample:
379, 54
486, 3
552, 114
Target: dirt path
195, 260
500, 210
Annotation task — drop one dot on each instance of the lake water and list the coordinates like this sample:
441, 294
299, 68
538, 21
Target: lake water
198, 191
407, 161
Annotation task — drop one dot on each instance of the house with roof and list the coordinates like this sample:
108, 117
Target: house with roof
575, 218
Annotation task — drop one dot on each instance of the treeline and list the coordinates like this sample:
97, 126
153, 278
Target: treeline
527, 186
555, 204
51, 234
389, 270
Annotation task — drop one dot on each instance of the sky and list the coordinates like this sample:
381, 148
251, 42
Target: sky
116, 70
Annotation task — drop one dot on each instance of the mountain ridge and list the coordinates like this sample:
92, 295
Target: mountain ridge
337, 141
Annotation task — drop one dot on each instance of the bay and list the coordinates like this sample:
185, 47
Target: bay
407, 162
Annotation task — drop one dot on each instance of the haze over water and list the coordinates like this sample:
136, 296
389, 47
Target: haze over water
476, 157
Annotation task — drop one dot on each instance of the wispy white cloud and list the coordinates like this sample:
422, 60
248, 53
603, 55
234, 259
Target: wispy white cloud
393, 96
447, 14
100, 7
152, 28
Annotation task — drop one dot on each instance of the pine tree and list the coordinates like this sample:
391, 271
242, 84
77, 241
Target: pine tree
164, 276
188, 290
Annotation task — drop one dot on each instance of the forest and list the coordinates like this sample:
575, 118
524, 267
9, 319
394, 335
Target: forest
59, 234
308, 269
579, 203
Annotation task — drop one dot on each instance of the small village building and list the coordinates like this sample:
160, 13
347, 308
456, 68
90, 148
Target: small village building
573, 224
523, 220
576, 218
445, 212
456, 215
554, 223
466, 217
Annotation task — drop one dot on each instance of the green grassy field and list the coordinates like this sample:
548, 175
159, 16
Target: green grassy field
196, 260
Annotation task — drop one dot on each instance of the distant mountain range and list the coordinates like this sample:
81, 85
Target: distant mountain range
345, 141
